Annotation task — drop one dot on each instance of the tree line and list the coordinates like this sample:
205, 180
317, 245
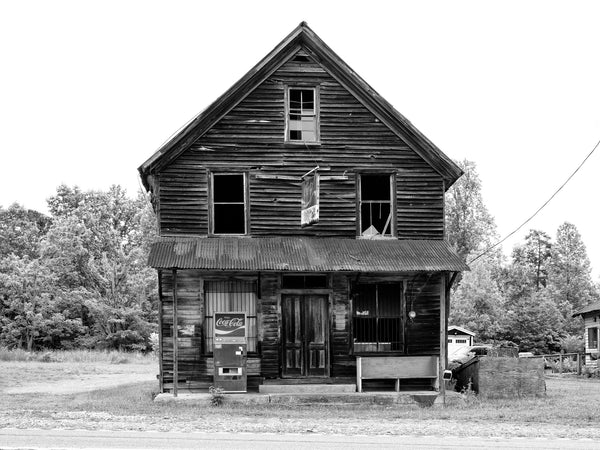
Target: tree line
78, 278
527, 299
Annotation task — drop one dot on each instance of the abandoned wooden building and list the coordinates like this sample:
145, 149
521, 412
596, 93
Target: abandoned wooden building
304, 200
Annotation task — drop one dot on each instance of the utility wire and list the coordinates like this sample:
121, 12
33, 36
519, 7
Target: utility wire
540, 208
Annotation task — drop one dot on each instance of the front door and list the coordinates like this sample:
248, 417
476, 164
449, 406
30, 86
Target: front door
305, 333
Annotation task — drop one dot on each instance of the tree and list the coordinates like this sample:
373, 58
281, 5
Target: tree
34, 310
477, 304
533, 257
21, 230
98, 245
569, 271
470, 227
535, 323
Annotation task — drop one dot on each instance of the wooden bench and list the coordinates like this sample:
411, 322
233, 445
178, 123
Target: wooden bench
396, 368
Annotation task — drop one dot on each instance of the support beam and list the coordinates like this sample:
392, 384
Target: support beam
175, 337
443, 335
160, 334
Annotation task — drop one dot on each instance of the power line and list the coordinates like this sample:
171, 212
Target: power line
540, 208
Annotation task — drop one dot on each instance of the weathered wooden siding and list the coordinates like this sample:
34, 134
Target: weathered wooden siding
423, 332
250, 138
342, 362
270, 325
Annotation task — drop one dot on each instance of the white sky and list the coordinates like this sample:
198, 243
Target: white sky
90, 89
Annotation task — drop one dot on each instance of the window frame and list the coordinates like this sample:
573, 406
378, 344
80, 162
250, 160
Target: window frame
205, 325
595, 331
359, 202
401, 316
317, 114
211, 202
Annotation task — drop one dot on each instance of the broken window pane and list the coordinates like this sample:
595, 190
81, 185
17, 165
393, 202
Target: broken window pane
302, 118
376, 205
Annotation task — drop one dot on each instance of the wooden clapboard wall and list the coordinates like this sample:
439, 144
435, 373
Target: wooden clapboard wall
250, 138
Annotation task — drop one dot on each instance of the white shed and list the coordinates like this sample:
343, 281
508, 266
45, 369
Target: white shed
459, 337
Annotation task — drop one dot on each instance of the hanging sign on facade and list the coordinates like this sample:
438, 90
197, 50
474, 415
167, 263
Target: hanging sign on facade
230, 324
310, 200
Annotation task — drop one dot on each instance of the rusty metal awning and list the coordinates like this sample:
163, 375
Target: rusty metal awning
304, 254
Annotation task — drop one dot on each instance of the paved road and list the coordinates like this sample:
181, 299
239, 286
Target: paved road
81, 439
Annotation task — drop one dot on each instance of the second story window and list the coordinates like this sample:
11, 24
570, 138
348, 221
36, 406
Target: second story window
376, 205
302, 118
228, 195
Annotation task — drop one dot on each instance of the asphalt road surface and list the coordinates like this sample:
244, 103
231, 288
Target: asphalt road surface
11, 438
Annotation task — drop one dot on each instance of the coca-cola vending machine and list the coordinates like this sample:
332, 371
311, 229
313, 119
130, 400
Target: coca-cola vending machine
230, 344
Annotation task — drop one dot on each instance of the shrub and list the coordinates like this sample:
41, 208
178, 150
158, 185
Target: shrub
216, 395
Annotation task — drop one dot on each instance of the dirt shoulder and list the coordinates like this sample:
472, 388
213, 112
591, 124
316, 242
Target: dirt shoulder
70, 378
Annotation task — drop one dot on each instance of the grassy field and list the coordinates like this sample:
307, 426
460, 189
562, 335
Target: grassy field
570, 409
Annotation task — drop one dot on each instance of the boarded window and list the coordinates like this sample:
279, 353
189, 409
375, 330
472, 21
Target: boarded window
375, 199
230, 296
228, 203
302, 117
377, 318
592, 338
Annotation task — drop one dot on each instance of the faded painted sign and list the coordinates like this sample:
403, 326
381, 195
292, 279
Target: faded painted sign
310, 200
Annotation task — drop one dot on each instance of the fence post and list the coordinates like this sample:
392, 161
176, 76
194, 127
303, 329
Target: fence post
561, 361
578, 363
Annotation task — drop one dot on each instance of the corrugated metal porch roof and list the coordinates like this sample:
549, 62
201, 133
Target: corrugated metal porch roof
304, 254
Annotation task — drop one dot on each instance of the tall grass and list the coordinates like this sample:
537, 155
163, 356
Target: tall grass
77, 356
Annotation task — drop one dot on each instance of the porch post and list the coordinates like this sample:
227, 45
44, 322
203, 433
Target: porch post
175, 333
443, 336
160, 333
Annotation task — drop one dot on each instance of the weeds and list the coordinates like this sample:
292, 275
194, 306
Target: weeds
469, 395
216, 396
76, 356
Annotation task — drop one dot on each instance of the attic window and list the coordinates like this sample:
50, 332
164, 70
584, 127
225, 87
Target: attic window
302, 123
228, 203
301, 58
375, 204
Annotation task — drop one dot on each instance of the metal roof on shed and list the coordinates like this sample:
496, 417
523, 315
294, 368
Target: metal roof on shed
304, 254
592, 307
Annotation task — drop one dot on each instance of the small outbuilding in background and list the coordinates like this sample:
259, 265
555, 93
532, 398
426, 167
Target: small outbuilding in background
591, 319
459, 337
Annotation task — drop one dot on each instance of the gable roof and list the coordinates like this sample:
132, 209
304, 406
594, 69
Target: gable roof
460, 329
303, 38
592, 307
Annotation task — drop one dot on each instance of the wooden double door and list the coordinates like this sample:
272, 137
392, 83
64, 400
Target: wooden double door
305, 335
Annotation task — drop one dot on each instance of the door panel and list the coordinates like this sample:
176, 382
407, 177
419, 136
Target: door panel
292, 328
305, 327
